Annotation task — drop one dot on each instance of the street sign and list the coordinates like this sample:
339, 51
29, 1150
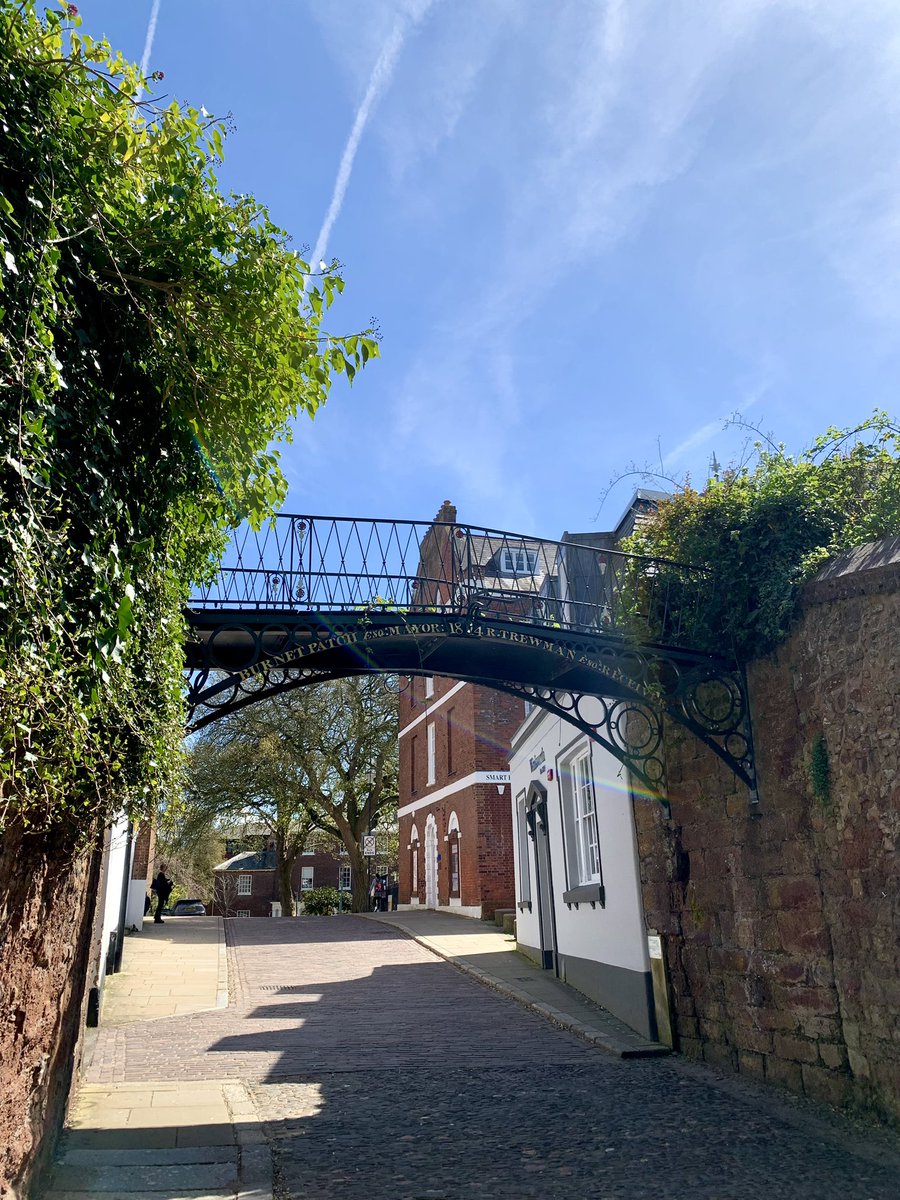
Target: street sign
369, 845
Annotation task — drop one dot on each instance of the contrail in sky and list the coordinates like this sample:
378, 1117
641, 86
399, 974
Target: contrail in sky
378, 81
151, 34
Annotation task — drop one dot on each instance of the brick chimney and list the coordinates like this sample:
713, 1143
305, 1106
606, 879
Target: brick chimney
447, 512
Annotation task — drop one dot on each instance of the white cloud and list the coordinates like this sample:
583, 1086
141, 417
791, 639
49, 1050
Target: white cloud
149, 39
379, 80
571, 125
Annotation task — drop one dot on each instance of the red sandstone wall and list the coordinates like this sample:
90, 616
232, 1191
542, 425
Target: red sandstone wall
46, 915
782, 930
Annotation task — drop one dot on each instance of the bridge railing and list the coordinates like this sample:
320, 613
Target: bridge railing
345, 564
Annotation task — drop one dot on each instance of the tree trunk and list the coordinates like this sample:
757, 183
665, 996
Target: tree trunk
284, 866
359, 875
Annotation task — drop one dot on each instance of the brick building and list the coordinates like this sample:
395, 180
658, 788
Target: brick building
456, 847
246, 884
455, 828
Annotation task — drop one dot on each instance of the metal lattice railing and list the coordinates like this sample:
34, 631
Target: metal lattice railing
345, 564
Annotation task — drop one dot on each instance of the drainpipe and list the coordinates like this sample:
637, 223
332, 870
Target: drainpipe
123, 903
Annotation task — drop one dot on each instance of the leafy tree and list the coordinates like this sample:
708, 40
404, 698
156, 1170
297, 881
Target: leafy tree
320, 757
156, 337
342, 738
190, 865
240, 771
764, 528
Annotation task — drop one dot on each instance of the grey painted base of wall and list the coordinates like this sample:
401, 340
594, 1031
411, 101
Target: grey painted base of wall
628, 995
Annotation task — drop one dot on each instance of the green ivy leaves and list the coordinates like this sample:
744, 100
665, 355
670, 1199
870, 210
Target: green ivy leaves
157, 336
763, 529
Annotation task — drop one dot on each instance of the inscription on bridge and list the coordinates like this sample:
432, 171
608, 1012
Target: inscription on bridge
449, 628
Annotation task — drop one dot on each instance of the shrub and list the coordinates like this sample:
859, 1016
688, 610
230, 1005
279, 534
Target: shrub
762, 530
321, 901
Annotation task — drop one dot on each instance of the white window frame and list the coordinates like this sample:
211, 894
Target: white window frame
584, 820
429, 686
432, 759
245, 885
517, 560
345, 877
242, 912
307, 877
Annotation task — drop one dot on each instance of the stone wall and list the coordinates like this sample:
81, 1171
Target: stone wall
47, 907
781, 927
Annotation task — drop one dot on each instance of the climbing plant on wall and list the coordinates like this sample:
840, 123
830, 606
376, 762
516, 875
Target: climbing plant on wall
764, 528
157, 336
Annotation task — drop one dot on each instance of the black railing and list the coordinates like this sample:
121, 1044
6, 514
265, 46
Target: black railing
344, 564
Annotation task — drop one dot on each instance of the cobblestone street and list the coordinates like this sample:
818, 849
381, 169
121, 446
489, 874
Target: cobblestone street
383, 1073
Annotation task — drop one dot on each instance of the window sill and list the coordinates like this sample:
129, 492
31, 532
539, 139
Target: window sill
586, 893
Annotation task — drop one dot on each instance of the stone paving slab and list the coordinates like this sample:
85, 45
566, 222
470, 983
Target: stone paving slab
164, 1137
106, 1176
176, 1194
490, 956
177, 967
128, 1157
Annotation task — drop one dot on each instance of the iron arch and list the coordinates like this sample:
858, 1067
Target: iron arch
616, 692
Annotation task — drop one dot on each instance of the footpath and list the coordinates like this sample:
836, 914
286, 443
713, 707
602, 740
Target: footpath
490, 956
161, 1139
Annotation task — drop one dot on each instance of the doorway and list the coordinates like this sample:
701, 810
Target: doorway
536, 817
431, 863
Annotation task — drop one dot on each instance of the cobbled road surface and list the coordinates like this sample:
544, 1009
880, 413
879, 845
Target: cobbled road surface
383, 1073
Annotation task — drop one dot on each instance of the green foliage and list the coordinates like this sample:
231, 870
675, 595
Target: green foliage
156, 336
322, 902
763, 530
320, 757
820, 770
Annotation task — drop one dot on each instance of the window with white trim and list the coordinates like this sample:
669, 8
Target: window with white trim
429, 686
587, 842
306, 879
245, 885
344, 879
243, 912
431, 754
516, 560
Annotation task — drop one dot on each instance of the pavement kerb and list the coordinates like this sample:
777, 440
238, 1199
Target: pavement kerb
255, 1178
562, 1020
222, 980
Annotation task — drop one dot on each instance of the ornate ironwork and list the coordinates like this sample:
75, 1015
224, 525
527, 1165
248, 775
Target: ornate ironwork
615, 690
344, 565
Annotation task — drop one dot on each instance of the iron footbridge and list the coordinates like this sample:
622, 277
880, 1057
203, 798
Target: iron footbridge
604, 639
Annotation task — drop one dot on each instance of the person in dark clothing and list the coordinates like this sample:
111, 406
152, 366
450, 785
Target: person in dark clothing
163, 888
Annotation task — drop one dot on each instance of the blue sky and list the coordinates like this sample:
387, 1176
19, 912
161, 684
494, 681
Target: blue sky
589, 230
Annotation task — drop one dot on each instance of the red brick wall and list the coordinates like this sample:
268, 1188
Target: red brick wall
48, 952
482, 722
783, 928
144, 847
326, 873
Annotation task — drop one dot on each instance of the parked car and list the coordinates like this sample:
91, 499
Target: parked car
188, 908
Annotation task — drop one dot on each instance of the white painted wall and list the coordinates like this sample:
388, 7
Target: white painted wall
118, 867
137, 894
615, 934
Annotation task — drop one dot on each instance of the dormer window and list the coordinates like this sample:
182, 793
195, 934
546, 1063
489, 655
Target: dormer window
517, 561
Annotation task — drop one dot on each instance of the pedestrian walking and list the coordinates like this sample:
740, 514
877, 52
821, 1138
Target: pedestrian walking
163, 888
